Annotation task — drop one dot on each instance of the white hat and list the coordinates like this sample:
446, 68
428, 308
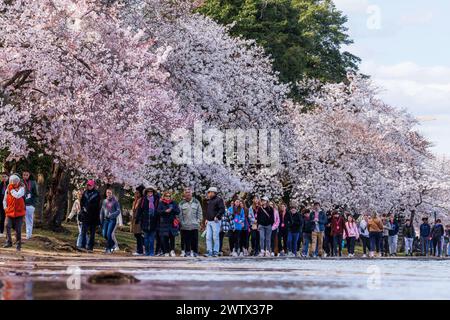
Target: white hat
212, 189
265, 198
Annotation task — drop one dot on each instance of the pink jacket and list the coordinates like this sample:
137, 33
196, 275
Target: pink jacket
351, 230
276, 217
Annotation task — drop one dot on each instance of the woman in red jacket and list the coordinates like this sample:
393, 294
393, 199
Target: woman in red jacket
14, 205
337, 232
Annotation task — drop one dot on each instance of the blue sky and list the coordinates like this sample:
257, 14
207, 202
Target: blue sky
405, 47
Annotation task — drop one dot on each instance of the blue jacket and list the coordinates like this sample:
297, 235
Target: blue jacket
238, 218
322, 220
394, 228
425, 230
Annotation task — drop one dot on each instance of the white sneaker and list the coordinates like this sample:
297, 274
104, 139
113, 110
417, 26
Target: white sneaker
166, 255
234, 254
245, 252
261, 254
241, 254
192, 254
2, 235
364, 256
183, 254
272, 254
172, 253
267, 253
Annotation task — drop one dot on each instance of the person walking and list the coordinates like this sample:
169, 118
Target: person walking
385, 235
327, 238
254, 233
437, 232
75, 212
30, 202
135, 227
283, 231
237, 217
351, 234
294, 222
3, 188
393, 235
147, 220
226, 229
319, 220
168, 212
14, 205
306, 232
337, 232
89, 215
425, 231
265, 218
409, 234
214, 213
364, 234
109, 213
190, 221
375, 227
276, 224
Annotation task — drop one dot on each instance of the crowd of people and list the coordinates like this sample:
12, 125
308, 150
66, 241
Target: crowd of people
263, 228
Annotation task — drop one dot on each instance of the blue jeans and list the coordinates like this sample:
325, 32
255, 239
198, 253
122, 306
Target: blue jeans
424, 245
149, 243
292, 241
375, 239
80, 236
306, 241
212, 237
85, 228
108, 228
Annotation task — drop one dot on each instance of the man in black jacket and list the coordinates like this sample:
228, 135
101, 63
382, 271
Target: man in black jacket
265, 218
214, 213
89, 215
3, 187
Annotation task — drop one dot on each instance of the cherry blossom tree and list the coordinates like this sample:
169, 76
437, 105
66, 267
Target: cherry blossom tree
83, 87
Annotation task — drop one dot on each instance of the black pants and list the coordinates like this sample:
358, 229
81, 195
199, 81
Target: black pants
328, 244
2, 218
190, 239
139, 243
244, 240
385, 245
282, 240
255, 241
85, 229
337, 245
158, 249
365, 244
167, 243
272, 240
16, 224
437, 246
351, 245
236, 240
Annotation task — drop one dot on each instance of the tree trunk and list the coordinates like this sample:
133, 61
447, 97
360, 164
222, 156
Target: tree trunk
56, 198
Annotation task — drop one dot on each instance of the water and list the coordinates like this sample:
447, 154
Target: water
226, 278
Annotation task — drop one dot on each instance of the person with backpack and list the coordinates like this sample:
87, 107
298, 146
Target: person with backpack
306, 232
89, 215
265, 218
147, 219
168, 223
437, 232
214, 213
109, 213
237, 217
294, 221
14, 205
190, 220
283, 231
393, 235
364, 234
409, 234
425, 230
